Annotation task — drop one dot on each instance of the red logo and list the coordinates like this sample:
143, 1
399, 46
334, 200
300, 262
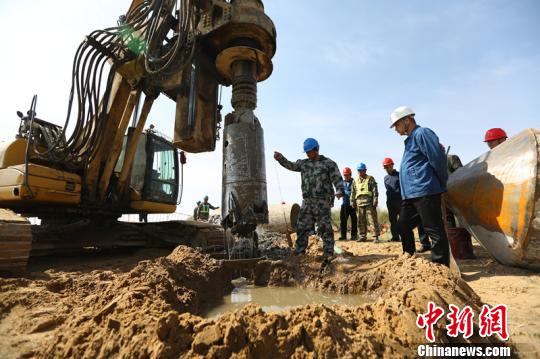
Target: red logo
490, 321
429, 320
460, 321
494, 321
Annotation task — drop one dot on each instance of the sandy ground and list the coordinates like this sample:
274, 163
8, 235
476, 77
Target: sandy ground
516, 287
496, 284
145, 304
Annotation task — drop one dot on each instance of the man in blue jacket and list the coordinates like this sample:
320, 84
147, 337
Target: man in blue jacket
422, 178
346, 208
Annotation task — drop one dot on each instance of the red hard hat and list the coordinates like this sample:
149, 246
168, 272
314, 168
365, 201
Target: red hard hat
347, 171
495, 134
387, 161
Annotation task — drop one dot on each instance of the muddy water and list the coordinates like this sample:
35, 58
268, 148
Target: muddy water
274, 299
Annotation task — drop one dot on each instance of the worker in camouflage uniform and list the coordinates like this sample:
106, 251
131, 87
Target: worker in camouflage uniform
364, 197
318, 173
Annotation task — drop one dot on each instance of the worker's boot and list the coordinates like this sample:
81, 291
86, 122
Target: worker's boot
424, 249
376, 240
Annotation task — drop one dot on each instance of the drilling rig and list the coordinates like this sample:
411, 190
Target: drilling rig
85, 174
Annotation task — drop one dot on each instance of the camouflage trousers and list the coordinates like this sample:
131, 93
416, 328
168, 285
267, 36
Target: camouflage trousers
315, 211
363, 212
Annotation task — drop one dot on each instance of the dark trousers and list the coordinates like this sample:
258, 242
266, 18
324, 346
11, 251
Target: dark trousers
346, 212
423, 237
394, 208
427, 211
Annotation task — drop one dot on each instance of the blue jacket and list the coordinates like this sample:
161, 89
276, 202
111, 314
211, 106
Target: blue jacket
423, 167
347, 186
391, 182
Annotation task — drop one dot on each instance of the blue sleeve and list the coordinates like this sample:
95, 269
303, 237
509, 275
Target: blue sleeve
429, 145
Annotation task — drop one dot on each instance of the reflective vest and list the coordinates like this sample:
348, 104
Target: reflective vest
205, 209
362, 188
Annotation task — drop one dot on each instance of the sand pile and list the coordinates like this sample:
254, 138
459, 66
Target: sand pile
134, 314
148, 312
151, 310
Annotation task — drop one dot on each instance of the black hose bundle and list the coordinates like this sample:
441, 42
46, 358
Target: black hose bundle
142, 32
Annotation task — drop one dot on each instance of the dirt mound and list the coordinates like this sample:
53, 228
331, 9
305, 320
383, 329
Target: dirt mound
143, 313
150, 310
131, 316
302, 332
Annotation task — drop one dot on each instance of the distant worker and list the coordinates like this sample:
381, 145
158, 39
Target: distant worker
393, 203
196, 211
453, 163
204, 209
494, 137
346, 209
364, 197
422, 178
393, 196
319, 177
143, 217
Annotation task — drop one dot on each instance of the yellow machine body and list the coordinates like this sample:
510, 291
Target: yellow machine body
44, 186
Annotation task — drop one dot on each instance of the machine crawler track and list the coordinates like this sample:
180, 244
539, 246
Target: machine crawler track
15, 242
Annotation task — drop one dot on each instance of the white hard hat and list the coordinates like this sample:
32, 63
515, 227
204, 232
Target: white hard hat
399, 113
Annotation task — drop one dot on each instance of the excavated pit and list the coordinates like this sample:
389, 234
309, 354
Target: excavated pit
278, 299
152, 309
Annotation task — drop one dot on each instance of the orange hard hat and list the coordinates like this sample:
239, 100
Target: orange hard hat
387, 161
494, 134
347, 171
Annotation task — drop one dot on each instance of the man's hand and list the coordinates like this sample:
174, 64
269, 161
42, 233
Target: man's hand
375, 203
339, 195
278, 156
353, 205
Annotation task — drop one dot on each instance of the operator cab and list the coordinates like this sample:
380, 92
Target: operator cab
154, 175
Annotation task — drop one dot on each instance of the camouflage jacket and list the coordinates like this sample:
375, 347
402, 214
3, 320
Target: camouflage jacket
317, 177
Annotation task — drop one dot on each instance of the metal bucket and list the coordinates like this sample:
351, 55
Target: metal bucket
460, 243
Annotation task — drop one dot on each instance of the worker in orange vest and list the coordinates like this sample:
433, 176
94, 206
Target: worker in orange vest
494, 137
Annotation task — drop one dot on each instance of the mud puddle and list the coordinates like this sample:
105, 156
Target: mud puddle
276, 299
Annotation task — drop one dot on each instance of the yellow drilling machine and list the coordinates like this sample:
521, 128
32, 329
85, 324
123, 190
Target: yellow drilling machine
79, 178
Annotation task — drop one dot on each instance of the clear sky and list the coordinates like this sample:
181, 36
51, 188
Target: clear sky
464, 66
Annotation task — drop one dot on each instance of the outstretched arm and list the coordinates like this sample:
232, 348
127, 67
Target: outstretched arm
292, 166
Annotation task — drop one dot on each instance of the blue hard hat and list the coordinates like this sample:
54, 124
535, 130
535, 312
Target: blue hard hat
310, 144
361, 167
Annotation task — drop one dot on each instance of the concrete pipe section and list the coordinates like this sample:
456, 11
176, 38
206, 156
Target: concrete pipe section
497, 198
282, 217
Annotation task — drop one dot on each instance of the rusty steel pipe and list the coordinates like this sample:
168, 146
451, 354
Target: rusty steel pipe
497, 198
